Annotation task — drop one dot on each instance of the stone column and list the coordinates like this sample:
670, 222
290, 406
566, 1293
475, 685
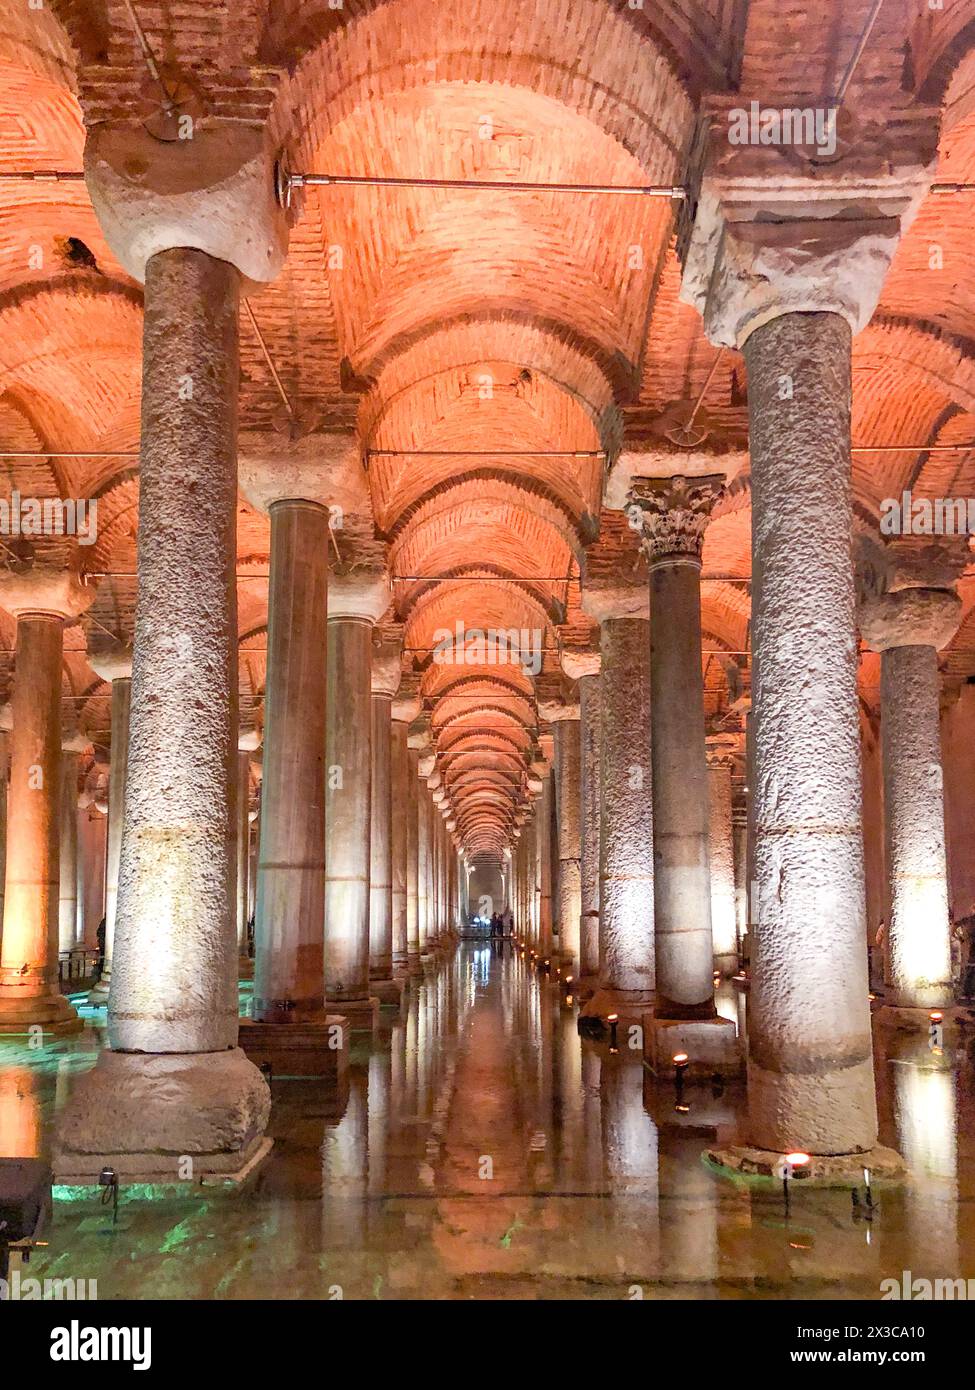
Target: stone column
567, 772
584, 667
116, 668
175, 1082
721, 856
245, 745
41, 600
356, 601
423, 855
626, 907
385, 683
908, 627
68, 855
412, 814
399, 754
289, 968
673, 514
791, 295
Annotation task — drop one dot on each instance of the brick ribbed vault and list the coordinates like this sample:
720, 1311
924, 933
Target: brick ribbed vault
449, 329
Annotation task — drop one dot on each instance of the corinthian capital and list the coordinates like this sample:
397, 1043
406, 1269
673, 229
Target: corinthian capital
671, 514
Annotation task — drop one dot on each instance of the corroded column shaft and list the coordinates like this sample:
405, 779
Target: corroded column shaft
567, 772
29, 991
626, 948
918, 933
174, 983
289, 968
810, 1063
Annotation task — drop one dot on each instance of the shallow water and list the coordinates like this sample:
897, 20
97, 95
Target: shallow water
487, 1151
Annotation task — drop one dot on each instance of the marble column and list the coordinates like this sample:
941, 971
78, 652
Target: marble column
673, 514
721, 857
174, 1082
908, 627
245, 965
567, 772
385, 683
810, 1071
30, 994
584, 667
423, 856
626, 905
356, 602
289, 969
116, 668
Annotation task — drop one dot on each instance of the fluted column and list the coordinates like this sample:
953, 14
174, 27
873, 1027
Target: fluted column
908, 627
355, 603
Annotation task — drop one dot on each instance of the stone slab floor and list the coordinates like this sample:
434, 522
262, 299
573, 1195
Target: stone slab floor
486, 1151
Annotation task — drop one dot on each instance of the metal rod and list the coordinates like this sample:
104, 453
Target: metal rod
42, 176
851, 66
487, 453
673, 191
269, 360
149, 58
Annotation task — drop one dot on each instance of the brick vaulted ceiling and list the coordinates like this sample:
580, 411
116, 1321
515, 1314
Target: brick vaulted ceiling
434, 320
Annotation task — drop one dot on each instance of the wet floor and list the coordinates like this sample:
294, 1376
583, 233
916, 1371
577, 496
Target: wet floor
487, 1151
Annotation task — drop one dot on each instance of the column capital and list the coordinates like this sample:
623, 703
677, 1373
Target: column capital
113, 664
407, 702
425, 765
911, 617
358, 591
386, 663
579, 662
44, 591
723, 750
765, 243
672, 514
212, 192
324, 468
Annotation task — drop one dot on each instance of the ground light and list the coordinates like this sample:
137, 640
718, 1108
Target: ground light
614, 1021
788, 1167
936, 1031
681, 1062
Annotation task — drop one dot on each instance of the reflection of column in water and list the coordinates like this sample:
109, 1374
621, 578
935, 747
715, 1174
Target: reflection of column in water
570, 1105
345, 1169
688, 1213
589, 1066
926, 1120
20, 1112
380, 1065
629, 1139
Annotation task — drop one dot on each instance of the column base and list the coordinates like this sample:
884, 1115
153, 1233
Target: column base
414, 964
586, 987
387, 991
155, 1117
245, 968
726, 966
318, 1048
630, 1006
916, 1020
50, 1012
98, 994
360, 1014
710, 1045
826, 1170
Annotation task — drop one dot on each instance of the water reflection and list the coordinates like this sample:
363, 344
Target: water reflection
486, 1150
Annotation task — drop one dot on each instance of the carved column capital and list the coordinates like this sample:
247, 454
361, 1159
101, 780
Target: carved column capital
671, 514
